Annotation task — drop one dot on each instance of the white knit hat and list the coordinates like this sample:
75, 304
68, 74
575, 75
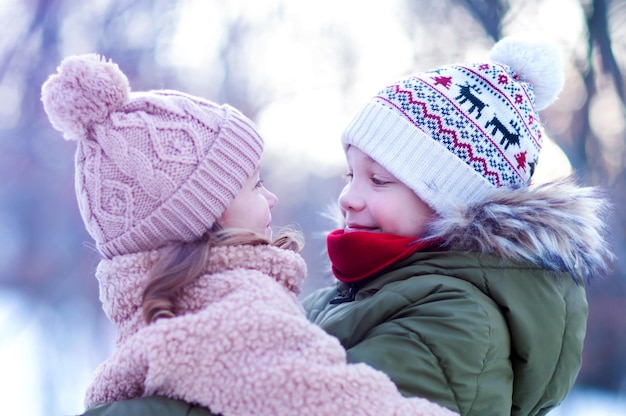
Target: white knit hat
151, 167
454, 133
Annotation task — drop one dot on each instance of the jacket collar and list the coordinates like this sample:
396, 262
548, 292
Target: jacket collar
122, 278
558, 226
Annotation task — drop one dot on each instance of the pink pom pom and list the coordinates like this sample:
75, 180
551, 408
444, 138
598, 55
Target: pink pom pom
85, 90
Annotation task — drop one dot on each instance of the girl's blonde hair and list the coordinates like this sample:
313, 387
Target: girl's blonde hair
180, 263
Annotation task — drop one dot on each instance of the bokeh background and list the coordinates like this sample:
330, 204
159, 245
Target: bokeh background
300, 69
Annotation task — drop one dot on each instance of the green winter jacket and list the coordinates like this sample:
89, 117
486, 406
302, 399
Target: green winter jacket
493, 326
148, 406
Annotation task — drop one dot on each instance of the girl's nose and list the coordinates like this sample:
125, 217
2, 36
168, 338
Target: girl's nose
272, 199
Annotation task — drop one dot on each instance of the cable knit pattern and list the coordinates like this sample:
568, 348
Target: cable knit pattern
151, 167
240, 346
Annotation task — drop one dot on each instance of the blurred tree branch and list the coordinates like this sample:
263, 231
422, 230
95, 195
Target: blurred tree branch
600, 38
585, 153
36, 21
489, 13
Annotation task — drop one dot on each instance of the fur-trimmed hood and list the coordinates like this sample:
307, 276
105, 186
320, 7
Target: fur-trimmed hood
558, 225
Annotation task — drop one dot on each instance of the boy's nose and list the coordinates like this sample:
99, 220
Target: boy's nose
349, 199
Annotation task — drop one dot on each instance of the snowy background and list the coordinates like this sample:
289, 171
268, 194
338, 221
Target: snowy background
299, 69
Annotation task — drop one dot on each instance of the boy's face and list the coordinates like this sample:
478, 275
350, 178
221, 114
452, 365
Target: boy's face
250, 209
374, 200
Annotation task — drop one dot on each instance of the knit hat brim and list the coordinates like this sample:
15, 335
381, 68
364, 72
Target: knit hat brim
436, 175
200, 201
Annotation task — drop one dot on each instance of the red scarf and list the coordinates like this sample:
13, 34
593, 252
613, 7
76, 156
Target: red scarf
358, 255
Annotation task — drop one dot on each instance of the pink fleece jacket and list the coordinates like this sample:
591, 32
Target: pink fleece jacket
240, 346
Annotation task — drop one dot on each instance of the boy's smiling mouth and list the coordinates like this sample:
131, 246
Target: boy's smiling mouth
357, 227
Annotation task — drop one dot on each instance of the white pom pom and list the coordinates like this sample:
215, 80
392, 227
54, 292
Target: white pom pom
85, 90
535, 61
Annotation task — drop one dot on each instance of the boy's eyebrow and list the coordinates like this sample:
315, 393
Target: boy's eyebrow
371, 160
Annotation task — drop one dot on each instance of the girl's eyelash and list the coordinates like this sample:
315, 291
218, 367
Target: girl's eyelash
259, 183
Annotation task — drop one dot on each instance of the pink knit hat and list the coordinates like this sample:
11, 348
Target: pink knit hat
456, 132
151, 167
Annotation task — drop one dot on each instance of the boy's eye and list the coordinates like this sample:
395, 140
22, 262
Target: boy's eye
377, 181
348, 176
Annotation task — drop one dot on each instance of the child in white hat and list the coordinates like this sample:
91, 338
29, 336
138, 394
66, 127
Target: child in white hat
204, 304
457, 277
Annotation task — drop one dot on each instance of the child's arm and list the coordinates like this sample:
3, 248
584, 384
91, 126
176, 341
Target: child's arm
151, 405
253, 352
435, 344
